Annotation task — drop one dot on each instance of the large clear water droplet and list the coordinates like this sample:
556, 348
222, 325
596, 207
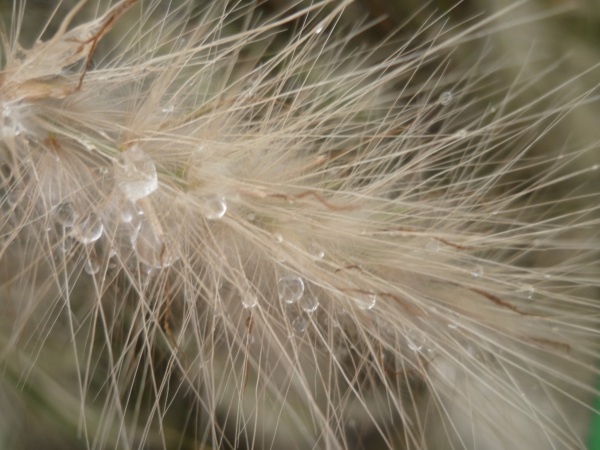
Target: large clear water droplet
290, 289
298, 326
135, 174
309, 302
65, 214
249, 298
88, 229
315, 251
151, 247
215, 207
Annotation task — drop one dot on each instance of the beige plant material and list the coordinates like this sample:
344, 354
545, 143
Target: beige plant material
249, 242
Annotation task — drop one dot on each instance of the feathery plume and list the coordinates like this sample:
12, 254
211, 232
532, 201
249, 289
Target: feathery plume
229, 230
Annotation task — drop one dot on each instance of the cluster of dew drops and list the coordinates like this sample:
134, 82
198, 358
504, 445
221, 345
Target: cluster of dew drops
300, 303
135, 177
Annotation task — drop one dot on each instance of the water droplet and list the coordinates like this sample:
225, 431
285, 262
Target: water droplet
526, 291
315, 251
278, 238
89, 229
460, 134
65, 214
151, 248
319, 29
91, 265
249, 298
309, 302
290, 289
215, 207
128, 211
415, 340
87, 144
445, 97
477, 271
298, 326
365, 300
135, 174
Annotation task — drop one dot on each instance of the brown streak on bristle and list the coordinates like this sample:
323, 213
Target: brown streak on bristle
106, 26
498, 301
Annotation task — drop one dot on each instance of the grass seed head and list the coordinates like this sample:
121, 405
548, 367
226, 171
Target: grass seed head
246, 231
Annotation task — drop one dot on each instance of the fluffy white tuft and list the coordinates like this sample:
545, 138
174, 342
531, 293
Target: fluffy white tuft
227, 230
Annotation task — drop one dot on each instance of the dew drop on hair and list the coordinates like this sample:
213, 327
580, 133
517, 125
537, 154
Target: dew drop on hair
290, 289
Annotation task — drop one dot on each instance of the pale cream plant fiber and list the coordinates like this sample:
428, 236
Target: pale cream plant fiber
246, 231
